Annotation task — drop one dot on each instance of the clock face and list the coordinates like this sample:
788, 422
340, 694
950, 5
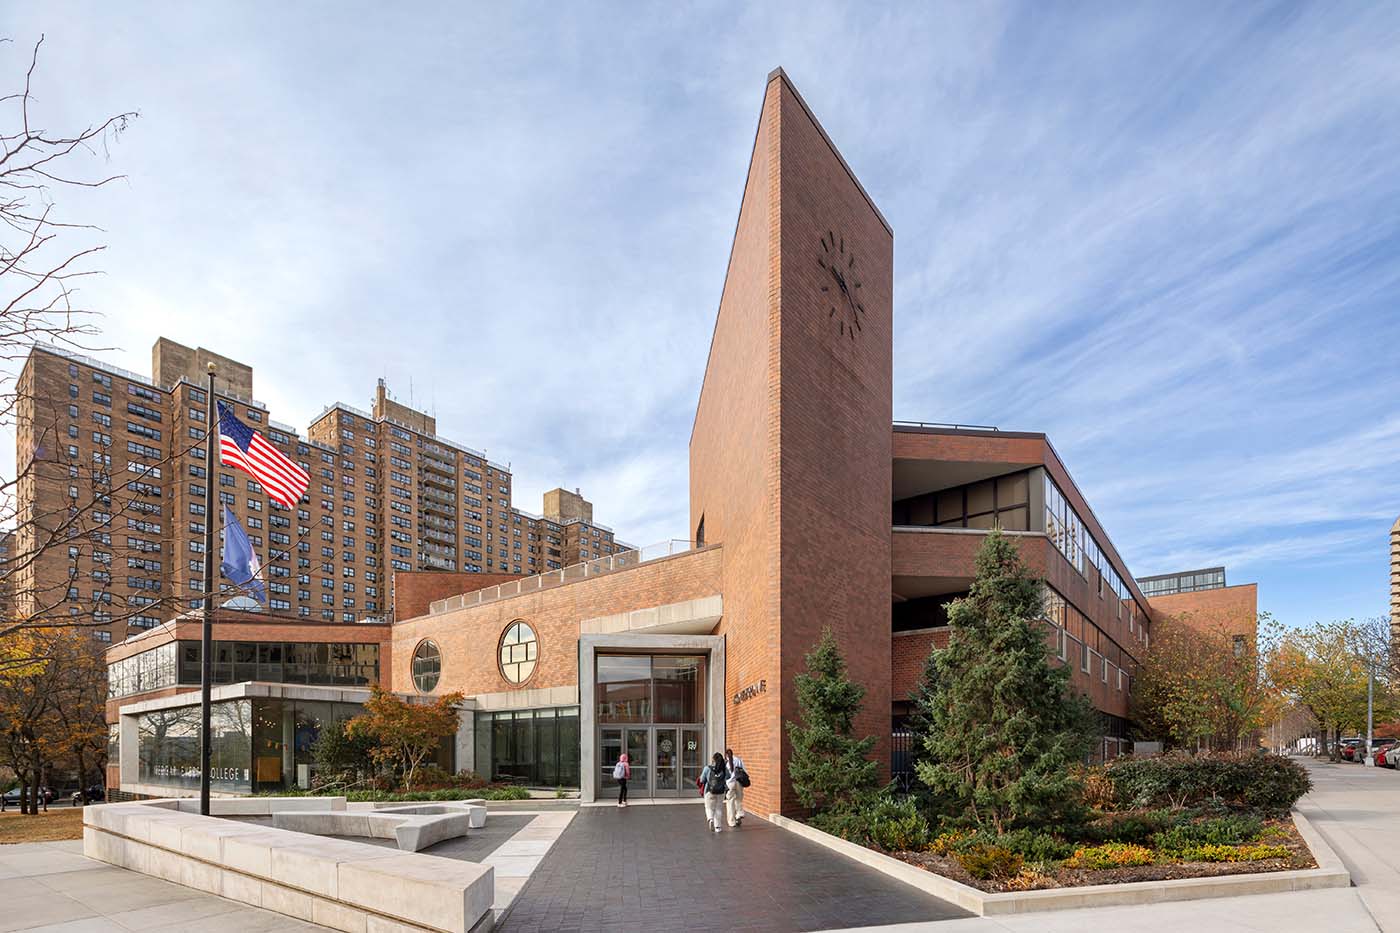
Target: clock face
841, 286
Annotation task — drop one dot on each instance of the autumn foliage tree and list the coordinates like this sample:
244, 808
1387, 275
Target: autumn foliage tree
405, 734
1324, 668
51, 708
1201, 688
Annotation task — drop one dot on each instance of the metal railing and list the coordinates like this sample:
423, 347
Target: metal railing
612, 563
948, 426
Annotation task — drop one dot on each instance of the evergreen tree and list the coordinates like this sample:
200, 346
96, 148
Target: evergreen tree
829, 769
1003, 730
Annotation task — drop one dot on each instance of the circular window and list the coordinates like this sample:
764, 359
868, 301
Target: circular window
427, 666
518, 648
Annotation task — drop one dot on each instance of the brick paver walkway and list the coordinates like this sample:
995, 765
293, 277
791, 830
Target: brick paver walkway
659, 869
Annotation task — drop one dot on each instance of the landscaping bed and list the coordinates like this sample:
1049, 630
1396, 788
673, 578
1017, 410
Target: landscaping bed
1277, 847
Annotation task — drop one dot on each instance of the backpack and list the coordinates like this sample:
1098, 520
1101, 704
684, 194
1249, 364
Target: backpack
716, 784
742, 776
619, 771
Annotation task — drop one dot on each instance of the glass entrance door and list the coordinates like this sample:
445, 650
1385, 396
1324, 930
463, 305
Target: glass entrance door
668, 760
609, 750
638, 742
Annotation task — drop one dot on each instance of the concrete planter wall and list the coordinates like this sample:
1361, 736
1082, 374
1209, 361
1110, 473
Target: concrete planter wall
333, 882
1329, 873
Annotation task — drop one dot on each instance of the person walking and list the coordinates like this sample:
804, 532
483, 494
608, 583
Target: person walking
621, 772
736, 779
714, 784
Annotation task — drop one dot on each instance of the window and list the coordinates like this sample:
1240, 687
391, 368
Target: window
518, 652
427, 666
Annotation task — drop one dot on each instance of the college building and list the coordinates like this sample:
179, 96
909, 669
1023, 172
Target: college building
810, 508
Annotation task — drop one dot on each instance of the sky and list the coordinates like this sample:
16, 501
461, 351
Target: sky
1167, 235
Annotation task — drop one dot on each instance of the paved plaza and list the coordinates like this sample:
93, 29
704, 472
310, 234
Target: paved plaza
52, 887
659, 868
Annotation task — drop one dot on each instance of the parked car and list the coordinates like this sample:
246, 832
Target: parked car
12, 796
94, 794
1383, 755
1347, 749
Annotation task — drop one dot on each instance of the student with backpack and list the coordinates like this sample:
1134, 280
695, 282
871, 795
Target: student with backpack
736, 780
621, 772
714, 785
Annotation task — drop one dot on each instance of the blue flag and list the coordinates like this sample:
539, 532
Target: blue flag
240, 564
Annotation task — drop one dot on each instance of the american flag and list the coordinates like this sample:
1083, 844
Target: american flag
242, 447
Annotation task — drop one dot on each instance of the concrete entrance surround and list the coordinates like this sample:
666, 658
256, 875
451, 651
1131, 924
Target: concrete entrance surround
588, 648
338, 883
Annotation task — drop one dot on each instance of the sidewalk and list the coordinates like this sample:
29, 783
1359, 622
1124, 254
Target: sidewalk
51, 886
1357, 809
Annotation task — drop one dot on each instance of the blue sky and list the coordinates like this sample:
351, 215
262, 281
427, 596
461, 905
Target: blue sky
1168, 235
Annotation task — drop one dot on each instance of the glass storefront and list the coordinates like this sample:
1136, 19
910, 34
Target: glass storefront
258, 744
532, 747
329, 664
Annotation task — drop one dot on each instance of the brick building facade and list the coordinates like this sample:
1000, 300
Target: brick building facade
111, 492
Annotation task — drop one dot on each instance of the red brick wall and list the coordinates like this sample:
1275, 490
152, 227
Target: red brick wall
836, 397
415, 590
909, 652
790, 453
734, 464
468, 638
1233, 610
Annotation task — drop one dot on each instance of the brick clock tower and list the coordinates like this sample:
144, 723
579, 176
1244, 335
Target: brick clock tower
790, 451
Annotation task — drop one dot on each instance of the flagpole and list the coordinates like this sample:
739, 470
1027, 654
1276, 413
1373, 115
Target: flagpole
206, 641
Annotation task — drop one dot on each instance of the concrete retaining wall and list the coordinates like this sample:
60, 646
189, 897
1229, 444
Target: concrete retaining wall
337, 883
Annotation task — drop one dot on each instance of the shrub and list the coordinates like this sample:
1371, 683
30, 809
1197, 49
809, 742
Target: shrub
986, 862
1224, 853
897, 826
950, 842
1098, 789
1222, 831
882, 820
1136, 827
1036, 846
1269, 783
1110, 855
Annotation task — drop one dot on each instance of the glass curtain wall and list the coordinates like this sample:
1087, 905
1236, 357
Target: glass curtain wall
258, 744
532, 747
341, 665
168, 742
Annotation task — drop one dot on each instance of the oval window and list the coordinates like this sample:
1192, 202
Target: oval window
518, 651
427, 666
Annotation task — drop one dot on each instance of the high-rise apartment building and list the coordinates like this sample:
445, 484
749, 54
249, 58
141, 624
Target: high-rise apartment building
111, 498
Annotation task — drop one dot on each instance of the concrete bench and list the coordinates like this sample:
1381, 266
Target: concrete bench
412, 827
337, 883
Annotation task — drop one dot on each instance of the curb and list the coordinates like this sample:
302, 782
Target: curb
1330, 873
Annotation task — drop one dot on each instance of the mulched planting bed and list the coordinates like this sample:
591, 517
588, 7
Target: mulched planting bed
1284, 833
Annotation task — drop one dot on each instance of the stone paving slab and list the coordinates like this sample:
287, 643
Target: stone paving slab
51, 887
660, 869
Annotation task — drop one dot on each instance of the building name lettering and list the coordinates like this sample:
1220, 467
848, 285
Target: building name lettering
751, 691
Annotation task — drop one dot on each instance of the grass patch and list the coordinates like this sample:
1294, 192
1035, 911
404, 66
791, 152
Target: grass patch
56, 825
